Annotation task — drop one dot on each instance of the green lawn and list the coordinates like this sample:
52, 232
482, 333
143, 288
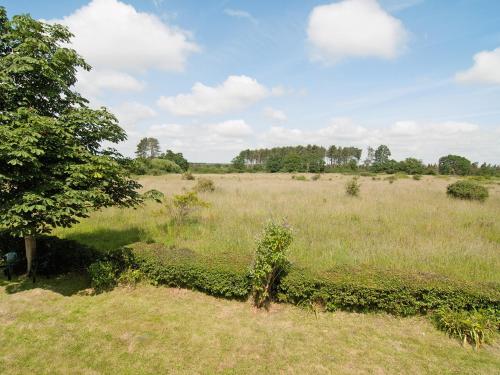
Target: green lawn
55, 327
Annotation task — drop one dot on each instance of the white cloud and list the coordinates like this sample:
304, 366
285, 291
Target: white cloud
238, 13
113, 35
486, 68
354, 28
119, 42
231, 129
94, 82
131, 113
235, 93
275, 114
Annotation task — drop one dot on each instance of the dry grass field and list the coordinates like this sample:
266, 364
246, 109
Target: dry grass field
407, 225
54, 327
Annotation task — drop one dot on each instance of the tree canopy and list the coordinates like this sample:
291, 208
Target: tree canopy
53, 169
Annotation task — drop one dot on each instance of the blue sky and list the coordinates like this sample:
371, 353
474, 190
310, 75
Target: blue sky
209, 78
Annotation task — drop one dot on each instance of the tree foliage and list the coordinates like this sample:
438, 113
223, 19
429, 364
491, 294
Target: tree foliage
53, 169
454, 164
148, 148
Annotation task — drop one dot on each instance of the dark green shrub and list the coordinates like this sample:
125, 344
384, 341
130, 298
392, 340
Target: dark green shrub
352, 187
270, 261
367, 289
154, 195
473, 327
222, 277
103, 275
299, 177
204, 185
467, 190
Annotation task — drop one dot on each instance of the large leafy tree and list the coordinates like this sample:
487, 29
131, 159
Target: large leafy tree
382, 154
454, 164
53, 169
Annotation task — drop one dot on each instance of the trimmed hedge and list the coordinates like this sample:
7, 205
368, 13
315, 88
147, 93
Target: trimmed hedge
184, 268
366, 289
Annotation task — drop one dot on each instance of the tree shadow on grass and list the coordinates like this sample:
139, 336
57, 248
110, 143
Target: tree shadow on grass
109, 239
66, 285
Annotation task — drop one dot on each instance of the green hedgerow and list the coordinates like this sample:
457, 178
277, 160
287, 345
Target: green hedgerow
270, 261
467, 190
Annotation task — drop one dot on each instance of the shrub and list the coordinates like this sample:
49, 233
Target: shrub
474, 327
299, 178
187, 176
222, 277
270, 261
391, 179
130, 277
187, 204
103, 275
154, 195
417, 177
467, 190
352, 187
316, 177
366, 289
204, 185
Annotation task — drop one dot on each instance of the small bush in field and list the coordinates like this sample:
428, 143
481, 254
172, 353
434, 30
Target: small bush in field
270, 261
299, 178
316, 177
204, 185
391, 178
154, 195
472, 327
130, 277
187, 204
103, 275
352, 187
187, 176
467, 190
417, 177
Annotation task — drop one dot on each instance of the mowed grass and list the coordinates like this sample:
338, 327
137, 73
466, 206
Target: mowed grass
408, 225
54, 327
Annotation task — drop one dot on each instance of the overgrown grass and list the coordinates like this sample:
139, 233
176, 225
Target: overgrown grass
57, 328
406, 226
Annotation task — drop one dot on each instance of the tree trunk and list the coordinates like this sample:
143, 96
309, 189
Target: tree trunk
30, 245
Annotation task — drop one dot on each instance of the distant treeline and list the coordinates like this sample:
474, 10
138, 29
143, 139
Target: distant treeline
311, 158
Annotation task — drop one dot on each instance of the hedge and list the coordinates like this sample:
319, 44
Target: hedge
184, 268
367, 289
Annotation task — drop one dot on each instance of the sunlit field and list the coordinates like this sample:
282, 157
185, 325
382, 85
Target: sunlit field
408, 225
54, 327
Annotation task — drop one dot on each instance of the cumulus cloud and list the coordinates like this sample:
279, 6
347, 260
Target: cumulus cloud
118, 41
275, 114
235, 93
486, 68
131, 113
354, 28
426, 140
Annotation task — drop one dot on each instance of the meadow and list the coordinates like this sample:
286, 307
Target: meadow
408, 225
56, 327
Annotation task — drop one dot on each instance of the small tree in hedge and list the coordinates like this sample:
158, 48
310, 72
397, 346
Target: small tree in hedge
270, 261
53, 169
467, 190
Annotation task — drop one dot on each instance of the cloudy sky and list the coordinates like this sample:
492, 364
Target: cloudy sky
209, 78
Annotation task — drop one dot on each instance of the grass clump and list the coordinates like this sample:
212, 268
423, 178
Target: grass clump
391, 178
270, 261
299, 178
467, 190
352, 187
204, 185
188, 176
417, 177
316, 177
471, 327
